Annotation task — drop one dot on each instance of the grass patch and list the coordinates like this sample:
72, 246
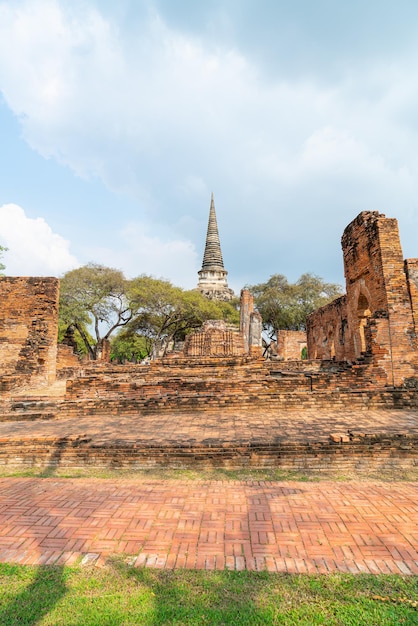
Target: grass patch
394, 474
124, 595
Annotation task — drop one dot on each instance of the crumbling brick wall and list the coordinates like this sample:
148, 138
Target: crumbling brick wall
66, 357
28, 330
376, 317
251, 324
290, 344
215, 338
411, 271
327, 331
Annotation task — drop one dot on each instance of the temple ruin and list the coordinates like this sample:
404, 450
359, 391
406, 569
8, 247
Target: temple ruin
371, 330
360, 378
376, 321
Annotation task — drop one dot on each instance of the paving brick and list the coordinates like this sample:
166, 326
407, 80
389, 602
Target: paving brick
311, 545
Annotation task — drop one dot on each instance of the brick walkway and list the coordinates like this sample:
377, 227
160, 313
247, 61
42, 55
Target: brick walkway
279, 526
219, 425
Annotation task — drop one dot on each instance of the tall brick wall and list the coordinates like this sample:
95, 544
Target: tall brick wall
246, 307
377, 313
251, 325
411, 271
255, 335
327, 331
28, 330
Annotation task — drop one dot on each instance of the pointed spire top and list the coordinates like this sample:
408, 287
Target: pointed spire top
212, 277
213, 255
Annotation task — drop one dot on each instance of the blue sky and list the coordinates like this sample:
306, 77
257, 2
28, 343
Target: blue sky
118, 120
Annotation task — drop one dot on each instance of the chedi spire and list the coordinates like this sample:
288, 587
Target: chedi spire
213, 254
212, 277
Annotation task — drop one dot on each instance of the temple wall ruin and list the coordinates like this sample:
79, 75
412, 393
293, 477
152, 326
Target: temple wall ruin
411, 271
376, 318
290, 344
327, 331
251, 324
216, 338
28, 331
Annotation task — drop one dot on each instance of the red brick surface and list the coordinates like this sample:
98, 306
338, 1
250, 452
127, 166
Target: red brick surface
377, 317
290, 344
28, 331
286, 527
346, 440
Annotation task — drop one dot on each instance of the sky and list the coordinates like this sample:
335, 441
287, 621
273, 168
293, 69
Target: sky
119, 119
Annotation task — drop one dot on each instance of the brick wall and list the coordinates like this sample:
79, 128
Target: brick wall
28, 331
290, 344
375, 319
66, 357
411, 271
215, 338
364, 452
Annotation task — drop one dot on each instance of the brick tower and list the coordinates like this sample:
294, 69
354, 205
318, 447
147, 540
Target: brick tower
212, 277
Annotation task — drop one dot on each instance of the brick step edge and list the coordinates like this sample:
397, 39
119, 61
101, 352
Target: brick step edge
378, 451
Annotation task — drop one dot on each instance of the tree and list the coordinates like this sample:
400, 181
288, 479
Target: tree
94, 301
80, 347
285, 306
2, 265
128, 348
163, 313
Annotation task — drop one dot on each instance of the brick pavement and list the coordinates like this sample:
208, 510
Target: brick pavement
297, 439
225, 425
279, 526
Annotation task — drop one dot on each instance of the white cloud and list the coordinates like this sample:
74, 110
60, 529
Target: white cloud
33, 248
137, 252
164, 116
158, 103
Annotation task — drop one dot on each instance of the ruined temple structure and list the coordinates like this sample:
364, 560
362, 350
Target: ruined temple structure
216, 338
361, 374
212, 277
366, 339
376, 322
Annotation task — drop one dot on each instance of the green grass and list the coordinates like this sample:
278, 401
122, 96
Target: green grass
384, 475
121, 595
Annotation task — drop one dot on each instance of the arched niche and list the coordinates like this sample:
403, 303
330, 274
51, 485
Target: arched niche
363, 313
331, 342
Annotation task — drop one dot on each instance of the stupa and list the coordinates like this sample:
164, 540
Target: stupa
212, 277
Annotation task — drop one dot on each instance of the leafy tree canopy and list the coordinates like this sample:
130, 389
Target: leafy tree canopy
163, 313
81, 348
2, 265
93, 299
99, 303
285, 306
128, 348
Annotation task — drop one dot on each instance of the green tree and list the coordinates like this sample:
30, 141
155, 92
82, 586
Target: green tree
285, 306
93, 300
2, 265
64, 326
128, 348
163, 313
